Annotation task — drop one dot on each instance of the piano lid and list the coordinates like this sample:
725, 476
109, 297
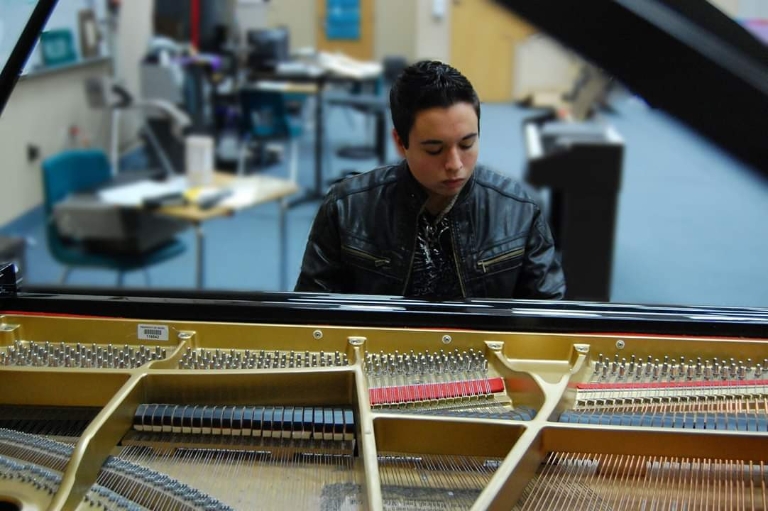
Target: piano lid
685, 57
17, 40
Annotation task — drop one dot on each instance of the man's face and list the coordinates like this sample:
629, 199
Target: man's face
443, 147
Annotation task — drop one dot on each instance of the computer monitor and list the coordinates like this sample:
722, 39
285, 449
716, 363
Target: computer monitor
267, 48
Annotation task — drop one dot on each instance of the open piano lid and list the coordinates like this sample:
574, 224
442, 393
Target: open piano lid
17, 40
685, 57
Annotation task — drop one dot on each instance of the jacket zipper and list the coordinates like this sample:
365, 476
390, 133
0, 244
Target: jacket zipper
413, 249
503, 257
456, 262
377, 261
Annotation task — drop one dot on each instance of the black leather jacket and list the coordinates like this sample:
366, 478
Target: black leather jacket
364, 235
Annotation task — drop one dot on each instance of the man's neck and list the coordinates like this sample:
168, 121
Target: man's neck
439, 205
435, 204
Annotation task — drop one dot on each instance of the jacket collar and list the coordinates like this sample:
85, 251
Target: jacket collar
419, 195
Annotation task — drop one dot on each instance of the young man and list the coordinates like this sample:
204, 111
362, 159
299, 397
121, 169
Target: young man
434, 226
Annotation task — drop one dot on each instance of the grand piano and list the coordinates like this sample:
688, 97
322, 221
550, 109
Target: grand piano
118, 399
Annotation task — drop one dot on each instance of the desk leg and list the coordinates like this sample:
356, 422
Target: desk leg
283, 246
319, 135
381, 136
316, 193
200, 262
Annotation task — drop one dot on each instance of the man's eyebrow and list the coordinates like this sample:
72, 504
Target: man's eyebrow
440, 142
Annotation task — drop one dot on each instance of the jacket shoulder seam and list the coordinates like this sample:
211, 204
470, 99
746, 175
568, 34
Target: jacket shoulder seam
506, 193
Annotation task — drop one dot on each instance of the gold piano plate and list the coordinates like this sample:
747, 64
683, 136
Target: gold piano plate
206, 415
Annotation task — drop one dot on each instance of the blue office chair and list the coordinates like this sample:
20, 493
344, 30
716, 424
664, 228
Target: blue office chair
265, 118
80, 171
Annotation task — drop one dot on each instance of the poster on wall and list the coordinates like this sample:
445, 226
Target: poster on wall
342, 20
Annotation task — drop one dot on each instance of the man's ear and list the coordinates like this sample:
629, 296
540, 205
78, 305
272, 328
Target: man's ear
398, 143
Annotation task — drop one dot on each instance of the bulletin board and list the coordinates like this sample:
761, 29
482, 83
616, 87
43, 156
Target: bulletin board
77, 31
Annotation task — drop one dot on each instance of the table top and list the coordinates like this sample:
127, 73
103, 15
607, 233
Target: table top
247, 192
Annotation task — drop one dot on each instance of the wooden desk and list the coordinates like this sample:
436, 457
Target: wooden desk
287, 87
248, 192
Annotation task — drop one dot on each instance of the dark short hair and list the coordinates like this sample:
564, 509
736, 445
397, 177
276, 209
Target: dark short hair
428, 84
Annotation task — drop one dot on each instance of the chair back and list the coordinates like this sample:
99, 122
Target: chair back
265, 114
73, 171
69, 172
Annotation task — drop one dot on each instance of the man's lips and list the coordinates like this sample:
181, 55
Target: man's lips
453, 183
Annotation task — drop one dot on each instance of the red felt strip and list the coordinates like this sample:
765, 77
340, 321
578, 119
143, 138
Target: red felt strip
432, 391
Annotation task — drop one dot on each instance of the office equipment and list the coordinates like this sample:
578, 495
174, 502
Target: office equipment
213, 199
14, 250
265, 118
86, 232
168, 199
267, 48
10, 278
108, 94
197, 22
580, 164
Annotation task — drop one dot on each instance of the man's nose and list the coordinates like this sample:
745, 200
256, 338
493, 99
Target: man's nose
453, 160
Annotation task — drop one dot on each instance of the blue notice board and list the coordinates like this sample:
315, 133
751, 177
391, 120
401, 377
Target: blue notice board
342, 20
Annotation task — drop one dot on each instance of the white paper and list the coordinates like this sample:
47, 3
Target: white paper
133, 194
242, 197
347, 66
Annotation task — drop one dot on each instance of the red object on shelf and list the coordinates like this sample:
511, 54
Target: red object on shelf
432, 391
194, 23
